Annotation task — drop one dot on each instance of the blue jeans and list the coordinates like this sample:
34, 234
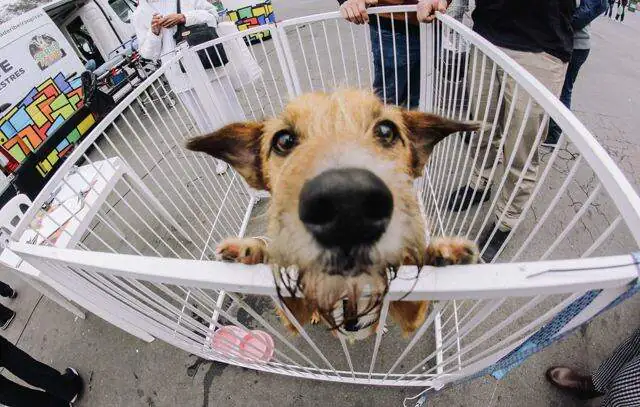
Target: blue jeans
406, 91
578, 57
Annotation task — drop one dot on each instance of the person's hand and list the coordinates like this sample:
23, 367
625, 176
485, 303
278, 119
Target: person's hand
156, 25
355, 11
172, 19
427, 9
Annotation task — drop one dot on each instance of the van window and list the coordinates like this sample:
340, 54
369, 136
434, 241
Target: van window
83, 41
124, 8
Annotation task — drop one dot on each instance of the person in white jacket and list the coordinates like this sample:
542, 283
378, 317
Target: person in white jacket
155, 23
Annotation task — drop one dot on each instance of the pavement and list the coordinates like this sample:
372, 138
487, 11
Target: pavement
121, 370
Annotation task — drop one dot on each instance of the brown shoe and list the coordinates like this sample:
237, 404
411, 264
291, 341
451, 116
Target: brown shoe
567, 379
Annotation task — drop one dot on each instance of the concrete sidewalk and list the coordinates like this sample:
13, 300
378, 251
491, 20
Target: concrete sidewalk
123, 371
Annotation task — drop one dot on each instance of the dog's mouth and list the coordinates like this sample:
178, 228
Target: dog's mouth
348, 263
347, 304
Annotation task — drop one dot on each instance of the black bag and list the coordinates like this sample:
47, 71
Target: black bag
197, 34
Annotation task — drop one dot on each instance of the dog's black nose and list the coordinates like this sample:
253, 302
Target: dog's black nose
345, 208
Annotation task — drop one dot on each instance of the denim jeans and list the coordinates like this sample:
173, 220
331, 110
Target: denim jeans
406, 91
578, 57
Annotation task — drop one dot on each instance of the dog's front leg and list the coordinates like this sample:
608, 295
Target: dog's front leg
248, 250
442, 251
253, 250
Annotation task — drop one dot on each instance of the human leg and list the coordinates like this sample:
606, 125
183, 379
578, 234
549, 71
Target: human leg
6, 316
14, 395
483, 87
578, 57
527, 120
389, 52
611, 5
203, 123
625, 352
617, 377
62, 386
413, 61
624, 390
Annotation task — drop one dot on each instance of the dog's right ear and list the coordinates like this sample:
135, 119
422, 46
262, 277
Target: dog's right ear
239, 145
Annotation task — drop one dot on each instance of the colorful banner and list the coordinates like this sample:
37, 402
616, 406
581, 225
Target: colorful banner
253, 16
47, 105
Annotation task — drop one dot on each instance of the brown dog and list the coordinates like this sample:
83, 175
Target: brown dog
340, 169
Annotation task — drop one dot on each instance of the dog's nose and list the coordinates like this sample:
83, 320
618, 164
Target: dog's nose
345, 208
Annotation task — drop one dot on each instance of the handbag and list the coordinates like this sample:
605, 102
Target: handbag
211, 57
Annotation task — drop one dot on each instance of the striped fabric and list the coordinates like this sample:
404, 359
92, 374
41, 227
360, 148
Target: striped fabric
619, 375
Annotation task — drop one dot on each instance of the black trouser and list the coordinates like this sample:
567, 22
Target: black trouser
611, 4
5, 313
58, 389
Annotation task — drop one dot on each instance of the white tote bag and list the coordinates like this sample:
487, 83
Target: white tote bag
242, 68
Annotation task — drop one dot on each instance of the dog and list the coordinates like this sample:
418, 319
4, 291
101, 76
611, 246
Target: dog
340, 168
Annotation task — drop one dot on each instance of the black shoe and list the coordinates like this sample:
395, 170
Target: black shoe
494, 245
551, 140
6, 323
77, 384
456, 202
573, 382
14, 294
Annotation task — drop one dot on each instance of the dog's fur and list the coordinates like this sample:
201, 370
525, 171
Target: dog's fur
337, 130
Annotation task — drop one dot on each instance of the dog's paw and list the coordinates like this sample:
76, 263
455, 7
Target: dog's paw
446, 251
284, 320
247, 251
315, 318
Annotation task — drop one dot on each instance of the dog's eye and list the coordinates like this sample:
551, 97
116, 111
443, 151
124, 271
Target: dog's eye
283, 142
387, 132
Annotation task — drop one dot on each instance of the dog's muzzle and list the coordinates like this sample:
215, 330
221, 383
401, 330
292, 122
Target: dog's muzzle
346, 208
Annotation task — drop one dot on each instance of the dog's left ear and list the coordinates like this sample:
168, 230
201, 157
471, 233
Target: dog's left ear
425, 130
239, 145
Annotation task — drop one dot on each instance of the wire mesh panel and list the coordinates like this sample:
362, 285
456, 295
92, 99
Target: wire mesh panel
144, 215
518, 187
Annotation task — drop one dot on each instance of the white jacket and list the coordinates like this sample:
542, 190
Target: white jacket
153, 46
156, 47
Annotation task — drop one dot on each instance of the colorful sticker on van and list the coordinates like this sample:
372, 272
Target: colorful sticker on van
46, 106
45, 50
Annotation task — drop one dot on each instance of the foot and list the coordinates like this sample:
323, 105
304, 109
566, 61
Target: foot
567, 379
221, 167
315, 318
551, 140
459, 201
14, 294
8, 322
494, 245
77, 384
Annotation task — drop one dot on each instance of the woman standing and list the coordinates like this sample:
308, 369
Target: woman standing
156, 23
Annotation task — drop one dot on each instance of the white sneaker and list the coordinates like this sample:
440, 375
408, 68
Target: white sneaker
221, 167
